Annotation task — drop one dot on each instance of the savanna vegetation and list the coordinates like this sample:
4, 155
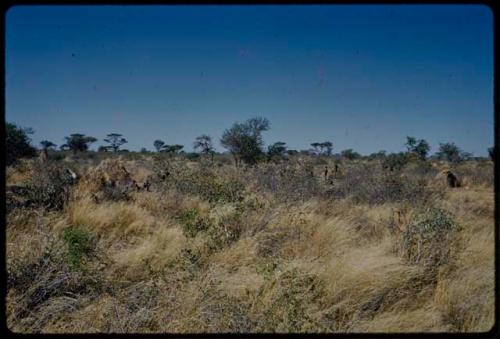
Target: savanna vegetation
259, 239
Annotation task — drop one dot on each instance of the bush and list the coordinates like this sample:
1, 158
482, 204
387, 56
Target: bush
427, 239
366, 183
395, 161
203, 182
286, 182
225, 232
192, 222
49, 187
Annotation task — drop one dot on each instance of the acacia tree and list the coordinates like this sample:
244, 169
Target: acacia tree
17, 143
158, 144
244, 140
322, 148
315, 146
115, 140
78, 142
205, 145
172, 149
328, 146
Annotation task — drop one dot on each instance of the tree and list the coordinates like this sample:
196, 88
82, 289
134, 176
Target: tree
328, 146
244, 140
115, 140
47, 145
17, 142
159, 145
315, 146
78, 142
322, 148
205, 145
419, 147
422, 149
350, 154
144, 150
410, 143
451, 152
276, 150
172, 148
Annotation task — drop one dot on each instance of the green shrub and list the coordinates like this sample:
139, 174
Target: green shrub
192, 222
80, 246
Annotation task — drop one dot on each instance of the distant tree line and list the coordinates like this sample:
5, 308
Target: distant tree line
243, 140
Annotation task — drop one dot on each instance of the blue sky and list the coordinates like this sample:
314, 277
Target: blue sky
363, 77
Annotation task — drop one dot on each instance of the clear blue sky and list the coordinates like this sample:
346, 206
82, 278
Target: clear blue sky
363, 77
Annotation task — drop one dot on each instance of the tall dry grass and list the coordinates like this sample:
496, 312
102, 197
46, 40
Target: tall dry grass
265, 249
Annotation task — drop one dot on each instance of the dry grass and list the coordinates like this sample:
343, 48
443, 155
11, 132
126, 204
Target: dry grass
192, 256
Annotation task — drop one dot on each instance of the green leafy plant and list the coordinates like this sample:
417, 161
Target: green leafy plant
80, 246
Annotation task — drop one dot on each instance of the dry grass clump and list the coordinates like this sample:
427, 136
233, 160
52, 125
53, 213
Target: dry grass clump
270, 248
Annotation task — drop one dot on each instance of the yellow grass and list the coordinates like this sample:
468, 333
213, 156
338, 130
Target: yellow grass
153, 277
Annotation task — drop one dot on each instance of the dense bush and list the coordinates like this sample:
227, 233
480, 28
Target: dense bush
49, 187
202, 181
367, 183
427, 239
287, 183
395, 161
192, 222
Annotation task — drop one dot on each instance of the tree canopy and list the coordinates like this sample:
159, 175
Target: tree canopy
78, 142
244, 140
451, 152
418, 147
115, 140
